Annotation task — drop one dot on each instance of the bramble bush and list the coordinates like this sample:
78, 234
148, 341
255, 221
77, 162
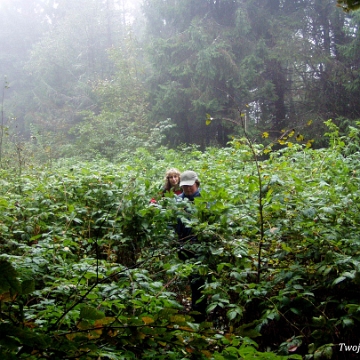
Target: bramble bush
89, 267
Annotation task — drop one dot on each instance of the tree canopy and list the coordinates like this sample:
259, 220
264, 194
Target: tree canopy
284, 64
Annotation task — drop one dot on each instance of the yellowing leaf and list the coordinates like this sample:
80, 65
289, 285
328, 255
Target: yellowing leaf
265, 135
186, 328
309, 122
147, 320
141, 335
267, 150
112, 333
7, 297
286, 248
299, 137
309, 143
282, 142
291, 133
290, 144
208, 119
105, 321
177, 318
70, 336
83, 325
207, 353
96, 332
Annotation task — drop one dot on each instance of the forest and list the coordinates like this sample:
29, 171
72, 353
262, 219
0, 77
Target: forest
99, 98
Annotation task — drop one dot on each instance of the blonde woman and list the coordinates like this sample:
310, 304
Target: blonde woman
171, 183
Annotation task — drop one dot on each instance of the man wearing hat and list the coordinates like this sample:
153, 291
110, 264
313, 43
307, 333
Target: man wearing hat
190, 183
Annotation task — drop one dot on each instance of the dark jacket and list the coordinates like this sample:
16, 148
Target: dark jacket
192, 197
185, 233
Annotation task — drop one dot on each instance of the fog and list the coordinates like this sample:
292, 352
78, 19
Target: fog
75, 73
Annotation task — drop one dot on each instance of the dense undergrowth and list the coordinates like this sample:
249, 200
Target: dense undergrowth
89, 267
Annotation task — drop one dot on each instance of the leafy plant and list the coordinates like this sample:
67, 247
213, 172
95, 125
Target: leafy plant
89, 266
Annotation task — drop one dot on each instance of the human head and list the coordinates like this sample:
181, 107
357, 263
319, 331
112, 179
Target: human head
172, 178
189, 182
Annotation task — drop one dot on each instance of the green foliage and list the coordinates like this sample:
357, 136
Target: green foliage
89, 266
119, 124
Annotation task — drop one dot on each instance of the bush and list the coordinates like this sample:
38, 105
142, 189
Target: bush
89, 267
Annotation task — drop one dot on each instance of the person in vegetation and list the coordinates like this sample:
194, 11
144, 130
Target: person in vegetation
190, 184
171, 183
